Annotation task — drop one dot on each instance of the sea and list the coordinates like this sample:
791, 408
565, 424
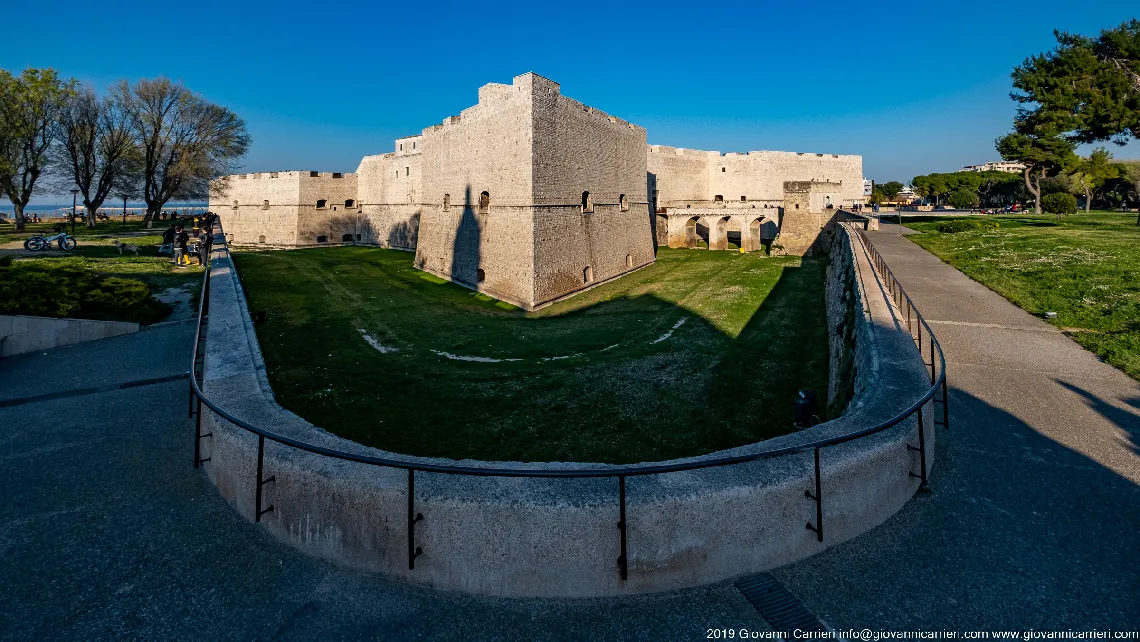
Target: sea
55, 210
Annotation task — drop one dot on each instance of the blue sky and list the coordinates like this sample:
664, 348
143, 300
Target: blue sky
913, 87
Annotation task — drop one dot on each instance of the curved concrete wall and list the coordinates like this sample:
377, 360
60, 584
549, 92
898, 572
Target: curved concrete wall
559, 537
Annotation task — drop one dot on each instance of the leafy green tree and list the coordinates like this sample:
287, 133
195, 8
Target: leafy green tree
1086, 88
1093, 172
1044, 153
963, 199
890, 189
1128, 174
30, 108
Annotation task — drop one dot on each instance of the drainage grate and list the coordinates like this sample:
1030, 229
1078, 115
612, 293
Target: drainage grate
782, 610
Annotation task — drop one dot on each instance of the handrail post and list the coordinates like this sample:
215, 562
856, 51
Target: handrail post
413, 517
818, 497
945, 402
932, 365
921, 450
622, 560
261, 482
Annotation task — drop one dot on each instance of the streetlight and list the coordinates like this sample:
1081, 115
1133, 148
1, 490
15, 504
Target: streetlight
124, 210
73, 193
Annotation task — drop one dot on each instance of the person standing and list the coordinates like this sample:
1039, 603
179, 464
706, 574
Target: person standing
168, 240
181, 238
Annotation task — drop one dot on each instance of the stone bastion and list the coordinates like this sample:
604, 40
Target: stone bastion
540, 537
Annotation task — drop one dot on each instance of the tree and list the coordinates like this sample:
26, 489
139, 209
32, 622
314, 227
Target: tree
1043, 153
1093, 172
963, 199
1129, 174
891, 189
30, 107
96, 147
183, 139
1087, 88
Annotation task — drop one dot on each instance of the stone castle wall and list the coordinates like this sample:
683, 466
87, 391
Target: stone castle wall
391, 195
283, 208
580, 150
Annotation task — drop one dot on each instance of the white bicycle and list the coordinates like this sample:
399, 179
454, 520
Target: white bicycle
65, 241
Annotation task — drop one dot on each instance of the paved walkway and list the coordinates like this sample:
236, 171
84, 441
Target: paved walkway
1033, 522
1034, 518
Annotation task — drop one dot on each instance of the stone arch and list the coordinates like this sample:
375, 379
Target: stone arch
484, 201
587, 274
587, 202
718, 232
692, 236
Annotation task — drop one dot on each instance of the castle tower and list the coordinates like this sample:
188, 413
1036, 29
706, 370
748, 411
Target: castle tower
530, 196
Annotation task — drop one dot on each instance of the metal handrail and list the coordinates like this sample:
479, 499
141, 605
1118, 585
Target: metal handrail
937, 380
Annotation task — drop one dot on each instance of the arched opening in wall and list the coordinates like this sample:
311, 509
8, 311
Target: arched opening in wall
321, 203
587, 274
623, 203
629, 260
662, 230
322, 239
587, 202
484, 201
480, 275
693, 232
347, 238
349, 203
261, 239
446, 202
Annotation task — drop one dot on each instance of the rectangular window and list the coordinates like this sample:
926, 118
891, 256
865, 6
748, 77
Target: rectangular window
314, 174
264, 205
321, 203
719, 198
407, 171
743, 198
446, 202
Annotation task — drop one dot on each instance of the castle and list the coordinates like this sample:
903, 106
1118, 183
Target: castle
531, 196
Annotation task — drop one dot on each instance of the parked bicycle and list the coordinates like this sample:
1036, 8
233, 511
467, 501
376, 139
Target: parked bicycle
65, 241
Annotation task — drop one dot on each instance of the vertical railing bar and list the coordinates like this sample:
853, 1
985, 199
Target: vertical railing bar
945, 402
818, 499
197, 429
623, 563
932, 366
260, 459
413, 517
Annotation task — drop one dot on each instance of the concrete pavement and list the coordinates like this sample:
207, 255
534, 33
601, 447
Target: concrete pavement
1034, 518
1033, 522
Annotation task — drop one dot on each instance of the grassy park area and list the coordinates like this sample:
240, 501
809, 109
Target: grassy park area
698, 352
93, 281
1084, 267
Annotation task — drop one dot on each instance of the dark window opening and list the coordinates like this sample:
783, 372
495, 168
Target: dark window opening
624, 203
743, 198
235, 205
358, 237
338, 175
587, 202
350, 203
484, 201
264, 205
261, 239
629, 260
587, 274
446, 202
322, 239
480, 275
347, 238
722, 169
321, 203
401, 147
407, 171
314, 174
797, 206
719, 198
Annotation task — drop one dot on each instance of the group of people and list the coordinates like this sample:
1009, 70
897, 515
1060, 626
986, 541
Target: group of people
176, 239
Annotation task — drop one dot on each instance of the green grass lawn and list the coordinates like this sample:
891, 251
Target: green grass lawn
96, 254
698, 352
1086, 268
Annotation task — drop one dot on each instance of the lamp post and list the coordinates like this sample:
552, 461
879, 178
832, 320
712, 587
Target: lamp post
124, 211
73, 193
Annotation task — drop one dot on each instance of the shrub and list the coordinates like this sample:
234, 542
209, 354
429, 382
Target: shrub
1059, 203
35, 289
966, 225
